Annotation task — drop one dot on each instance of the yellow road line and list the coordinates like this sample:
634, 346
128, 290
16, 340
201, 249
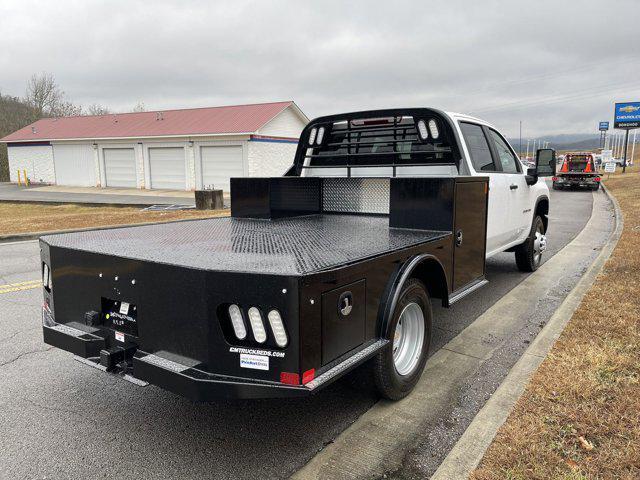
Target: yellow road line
8, 285
17, 287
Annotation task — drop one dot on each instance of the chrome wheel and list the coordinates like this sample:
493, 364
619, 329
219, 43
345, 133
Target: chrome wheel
539, 245
408, 339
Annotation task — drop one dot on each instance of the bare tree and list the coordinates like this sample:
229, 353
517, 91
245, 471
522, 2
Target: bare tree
47, 99
140, 107
66, 109
43, 94
97, 109
15, 113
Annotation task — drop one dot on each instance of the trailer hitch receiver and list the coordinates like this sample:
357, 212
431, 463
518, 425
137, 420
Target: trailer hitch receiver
113, 358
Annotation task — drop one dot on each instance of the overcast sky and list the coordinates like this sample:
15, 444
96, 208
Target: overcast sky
558, 66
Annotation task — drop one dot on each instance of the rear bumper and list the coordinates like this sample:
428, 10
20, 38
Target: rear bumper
578, 180
196, 384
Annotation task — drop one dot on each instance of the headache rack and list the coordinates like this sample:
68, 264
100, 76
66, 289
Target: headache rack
377, 139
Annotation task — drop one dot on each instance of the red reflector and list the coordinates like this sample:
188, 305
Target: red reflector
308, 376
554, 179
597, 179
289, 378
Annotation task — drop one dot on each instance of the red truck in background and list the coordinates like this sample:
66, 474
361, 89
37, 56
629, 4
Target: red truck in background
578, 170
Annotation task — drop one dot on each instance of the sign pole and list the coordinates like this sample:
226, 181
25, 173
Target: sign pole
626, 143
633, 145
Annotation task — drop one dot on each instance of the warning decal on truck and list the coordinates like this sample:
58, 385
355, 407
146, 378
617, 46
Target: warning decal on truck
257, 362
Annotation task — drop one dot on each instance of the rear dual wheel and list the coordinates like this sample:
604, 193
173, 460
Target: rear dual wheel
398, 367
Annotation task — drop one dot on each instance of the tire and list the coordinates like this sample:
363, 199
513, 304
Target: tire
595, 187
555, 186
398, 367
529, 253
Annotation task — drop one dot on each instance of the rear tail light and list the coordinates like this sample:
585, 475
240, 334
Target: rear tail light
290, 378
597, 179
308, 376
237, 322
277, 327
257, 325
554, 179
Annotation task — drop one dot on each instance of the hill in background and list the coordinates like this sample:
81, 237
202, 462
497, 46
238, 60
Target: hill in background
567, 141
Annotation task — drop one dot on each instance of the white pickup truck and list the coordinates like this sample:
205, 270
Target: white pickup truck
330, 266
518, 196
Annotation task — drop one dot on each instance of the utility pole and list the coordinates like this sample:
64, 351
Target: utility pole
520, 145
626, 143
528, 140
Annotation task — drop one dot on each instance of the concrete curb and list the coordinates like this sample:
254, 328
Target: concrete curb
85, 204
467, 453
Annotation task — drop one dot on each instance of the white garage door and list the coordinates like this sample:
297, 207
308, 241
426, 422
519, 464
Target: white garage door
74, 165
219, 164
167, 168
119, 167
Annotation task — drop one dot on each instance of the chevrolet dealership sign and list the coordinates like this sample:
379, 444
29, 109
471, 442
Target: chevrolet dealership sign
627, 115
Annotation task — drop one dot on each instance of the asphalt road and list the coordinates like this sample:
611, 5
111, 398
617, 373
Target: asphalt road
61, 419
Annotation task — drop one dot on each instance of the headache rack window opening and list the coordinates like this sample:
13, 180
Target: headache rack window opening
380, 142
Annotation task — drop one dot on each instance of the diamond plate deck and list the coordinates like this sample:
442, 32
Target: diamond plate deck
286, 246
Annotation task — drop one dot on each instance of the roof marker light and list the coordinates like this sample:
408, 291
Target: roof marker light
433, 128
236, 321
422, 129
257, 326
320, 135
277, 327
312, 136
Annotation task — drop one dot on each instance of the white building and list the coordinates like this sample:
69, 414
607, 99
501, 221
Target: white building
172, 149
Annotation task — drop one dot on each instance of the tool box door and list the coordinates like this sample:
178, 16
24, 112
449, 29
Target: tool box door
470, 234
343, 320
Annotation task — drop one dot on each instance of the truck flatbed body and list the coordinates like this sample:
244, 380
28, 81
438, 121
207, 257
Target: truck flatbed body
282, 246
306, 280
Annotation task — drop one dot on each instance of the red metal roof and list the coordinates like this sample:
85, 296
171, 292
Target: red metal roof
193, 121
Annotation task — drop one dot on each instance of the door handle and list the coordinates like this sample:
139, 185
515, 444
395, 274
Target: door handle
513, 186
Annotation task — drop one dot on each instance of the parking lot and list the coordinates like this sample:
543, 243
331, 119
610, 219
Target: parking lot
61, 419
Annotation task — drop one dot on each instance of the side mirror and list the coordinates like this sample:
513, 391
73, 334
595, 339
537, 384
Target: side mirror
546, 162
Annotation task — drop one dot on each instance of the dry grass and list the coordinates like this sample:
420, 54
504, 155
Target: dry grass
34, 217
579, 417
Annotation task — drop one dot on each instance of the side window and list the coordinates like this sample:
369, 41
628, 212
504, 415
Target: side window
478, 147
507, 159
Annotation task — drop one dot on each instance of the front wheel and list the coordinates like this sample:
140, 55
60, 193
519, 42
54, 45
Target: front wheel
398, 367
529, 253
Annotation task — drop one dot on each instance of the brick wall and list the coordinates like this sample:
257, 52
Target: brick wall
37, 160
270, 159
